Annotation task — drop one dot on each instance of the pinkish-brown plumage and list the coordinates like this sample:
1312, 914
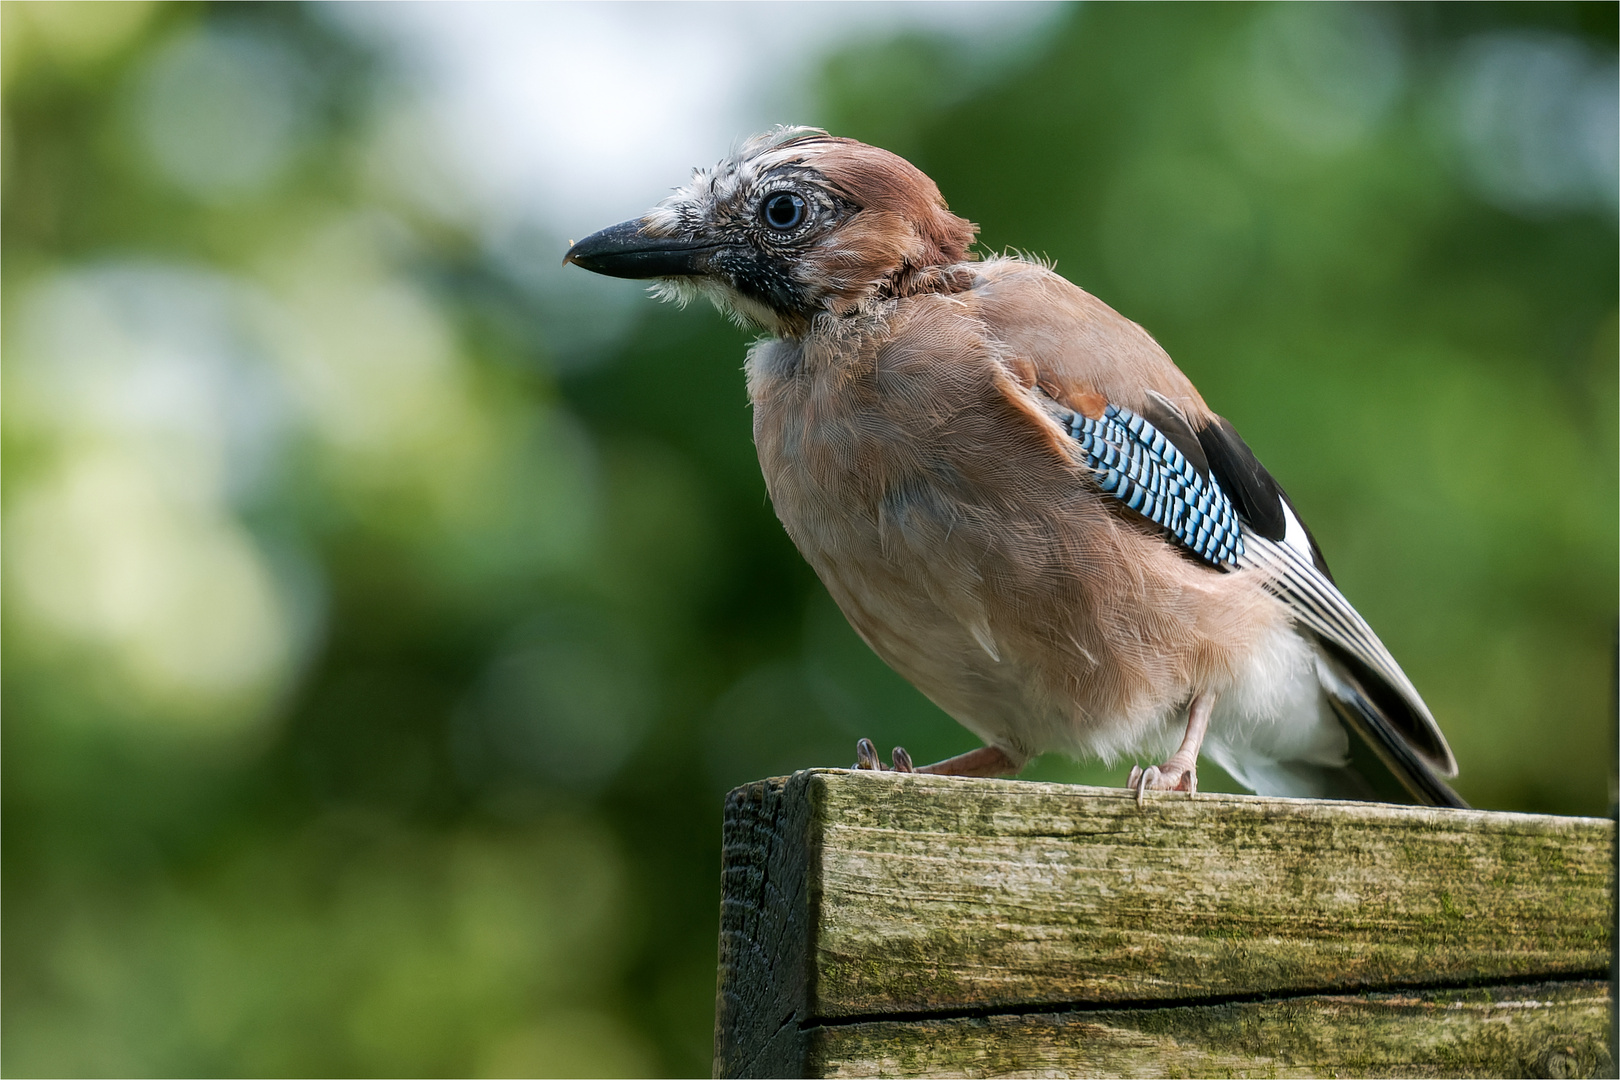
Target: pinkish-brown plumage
911, 415
951, 520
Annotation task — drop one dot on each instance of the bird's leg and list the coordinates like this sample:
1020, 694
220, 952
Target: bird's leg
985, 761
1180, 773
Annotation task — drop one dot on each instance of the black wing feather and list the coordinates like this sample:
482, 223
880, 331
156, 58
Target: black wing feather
1251, 487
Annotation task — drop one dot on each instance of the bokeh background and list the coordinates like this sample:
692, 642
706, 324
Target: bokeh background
387, 609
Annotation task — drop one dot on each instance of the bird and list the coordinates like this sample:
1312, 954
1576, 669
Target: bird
1015, 496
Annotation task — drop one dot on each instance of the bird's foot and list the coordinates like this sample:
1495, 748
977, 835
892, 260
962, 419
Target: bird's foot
1171, 776
985, 761
1180, 773
866, 757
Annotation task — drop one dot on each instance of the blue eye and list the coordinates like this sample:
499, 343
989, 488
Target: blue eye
783, 211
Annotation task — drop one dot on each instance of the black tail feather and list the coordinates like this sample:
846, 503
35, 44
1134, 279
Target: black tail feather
1368, 721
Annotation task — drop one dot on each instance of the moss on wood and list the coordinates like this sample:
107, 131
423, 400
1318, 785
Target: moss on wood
940, 893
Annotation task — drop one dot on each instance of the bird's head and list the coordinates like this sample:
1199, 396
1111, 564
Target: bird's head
795, 223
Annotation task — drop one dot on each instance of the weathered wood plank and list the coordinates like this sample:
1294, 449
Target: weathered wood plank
883, 896
1554, 1029
945, 894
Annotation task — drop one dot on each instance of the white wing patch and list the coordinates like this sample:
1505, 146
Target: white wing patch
1295, 535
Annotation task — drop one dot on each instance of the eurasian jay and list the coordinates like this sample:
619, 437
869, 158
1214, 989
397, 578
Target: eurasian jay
1016, 498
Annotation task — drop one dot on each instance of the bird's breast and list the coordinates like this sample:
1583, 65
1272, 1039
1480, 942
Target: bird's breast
876, 431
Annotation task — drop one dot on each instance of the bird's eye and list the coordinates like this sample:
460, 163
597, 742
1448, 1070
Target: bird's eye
783, 211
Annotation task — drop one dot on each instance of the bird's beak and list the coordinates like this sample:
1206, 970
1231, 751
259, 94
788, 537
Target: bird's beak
624, 251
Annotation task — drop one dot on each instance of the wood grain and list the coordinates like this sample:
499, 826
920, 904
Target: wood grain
1558, 1029
937, 893
767, 921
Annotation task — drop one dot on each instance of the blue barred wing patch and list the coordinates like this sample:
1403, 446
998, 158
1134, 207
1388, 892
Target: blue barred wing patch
1137, 465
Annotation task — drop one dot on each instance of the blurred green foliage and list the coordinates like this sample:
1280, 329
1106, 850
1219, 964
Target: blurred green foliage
377, 653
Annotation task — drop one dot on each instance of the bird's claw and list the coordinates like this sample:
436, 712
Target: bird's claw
866, 757
1139, 780
1167, 777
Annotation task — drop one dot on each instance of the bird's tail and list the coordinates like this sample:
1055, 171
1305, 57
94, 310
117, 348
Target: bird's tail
1382, 765
1382, 751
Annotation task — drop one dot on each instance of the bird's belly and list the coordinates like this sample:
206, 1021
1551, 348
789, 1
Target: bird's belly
932, 643
894, 556
923, 579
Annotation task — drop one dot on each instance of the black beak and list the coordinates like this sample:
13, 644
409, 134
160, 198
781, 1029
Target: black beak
623, 250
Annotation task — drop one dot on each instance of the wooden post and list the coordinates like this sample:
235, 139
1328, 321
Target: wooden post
883, 924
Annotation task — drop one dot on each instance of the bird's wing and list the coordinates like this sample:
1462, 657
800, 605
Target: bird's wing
1151, 474
1215, 500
